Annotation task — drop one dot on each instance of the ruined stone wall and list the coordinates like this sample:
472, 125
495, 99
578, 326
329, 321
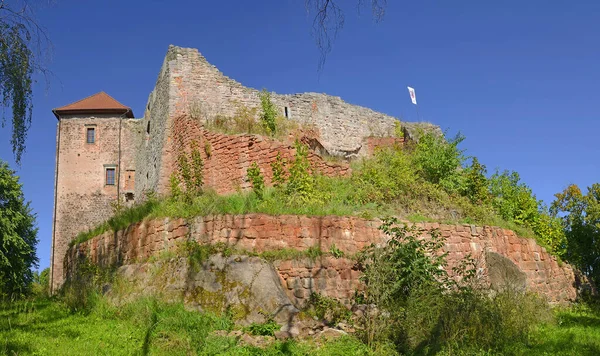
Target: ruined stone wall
83, 200
189, 84
154, 134
327, 275
200, 87
227, 157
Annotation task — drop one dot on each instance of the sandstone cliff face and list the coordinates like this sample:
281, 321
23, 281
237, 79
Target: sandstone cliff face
505, 257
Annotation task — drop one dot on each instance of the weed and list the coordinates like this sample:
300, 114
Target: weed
268, 328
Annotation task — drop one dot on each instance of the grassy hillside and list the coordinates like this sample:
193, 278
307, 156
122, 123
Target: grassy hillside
47, 327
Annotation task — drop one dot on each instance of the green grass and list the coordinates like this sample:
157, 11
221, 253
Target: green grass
575, 332
147, 326
143, 327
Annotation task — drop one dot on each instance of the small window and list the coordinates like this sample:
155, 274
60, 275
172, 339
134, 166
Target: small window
91, 135
110, 176
287, 112
148, 128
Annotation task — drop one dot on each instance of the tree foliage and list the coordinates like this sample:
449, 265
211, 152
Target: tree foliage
18, 237
580, 214
22, 42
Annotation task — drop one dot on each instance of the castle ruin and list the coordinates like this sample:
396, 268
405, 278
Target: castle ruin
105, 155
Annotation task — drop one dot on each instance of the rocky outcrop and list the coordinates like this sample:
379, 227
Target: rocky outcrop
247, 287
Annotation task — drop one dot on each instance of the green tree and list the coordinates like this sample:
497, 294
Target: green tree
580, 214
22, 43
18, 237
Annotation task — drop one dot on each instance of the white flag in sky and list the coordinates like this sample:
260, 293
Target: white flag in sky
413, 96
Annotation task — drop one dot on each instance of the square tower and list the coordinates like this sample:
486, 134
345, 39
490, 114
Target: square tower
95, 170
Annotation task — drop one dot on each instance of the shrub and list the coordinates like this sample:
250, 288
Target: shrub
257, 180
384, 178
476, 183
301, 182
413, 303
278, 169
513, 200
269, 113
328, 310
436, 158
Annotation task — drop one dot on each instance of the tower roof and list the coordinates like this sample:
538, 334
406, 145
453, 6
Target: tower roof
99, 103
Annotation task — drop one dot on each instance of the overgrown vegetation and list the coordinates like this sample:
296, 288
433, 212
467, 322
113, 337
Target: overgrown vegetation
266, 121
413, 303
424, 181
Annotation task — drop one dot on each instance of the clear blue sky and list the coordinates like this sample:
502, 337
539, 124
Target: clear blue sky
520, 79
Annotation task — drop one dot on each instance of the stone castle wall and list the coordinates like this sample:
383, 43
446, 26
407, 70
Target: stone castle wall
201, 86
333, 277
227, 157
188, 83
82, 199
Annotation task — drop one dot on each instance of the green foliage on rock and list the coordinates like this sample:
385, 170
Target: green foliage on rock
18, 237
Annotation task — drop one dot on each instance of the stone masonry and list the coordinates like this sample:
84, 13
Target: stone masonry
82, 199
143, 151
189, 84
327, 275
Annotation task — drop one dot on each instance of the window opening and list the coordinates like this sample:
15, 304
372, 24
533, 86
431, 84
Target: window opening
110, 176
91, 135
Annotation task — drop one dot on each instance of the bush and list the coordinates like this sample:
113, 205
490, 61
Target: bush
384, 178
257, 180
269, 113
301, 183
328, 310
436, 158
412, 302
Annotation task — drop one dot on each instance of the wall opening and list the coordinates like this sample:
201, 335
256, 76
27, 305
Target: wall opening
286, 111
90, 136
129, 197
110, 176
148, 128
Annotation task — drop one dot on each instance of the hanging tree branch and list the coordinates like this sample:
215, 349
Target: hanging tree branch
329, 20
24, 50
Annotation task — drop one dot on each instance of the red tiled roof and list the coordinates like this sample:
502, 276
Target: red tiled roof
97, 103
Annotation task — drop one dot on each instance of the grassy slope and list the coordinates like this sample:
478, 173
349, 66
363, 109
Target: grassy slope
148, 327
143, 327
